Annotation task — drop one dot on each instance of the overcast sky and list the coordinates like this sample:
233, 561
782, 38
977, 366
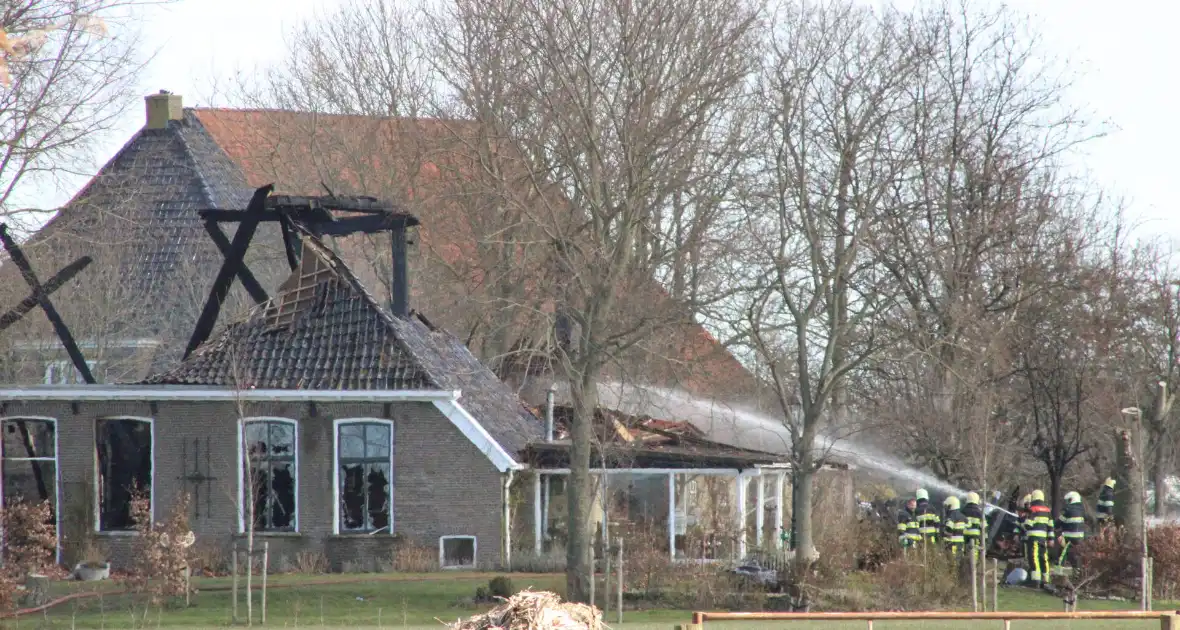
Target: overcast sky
1123, 54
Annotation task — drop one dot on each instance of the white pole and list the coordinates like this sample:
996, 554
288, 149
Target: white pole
672, 516
760, 517
741, 514
537, 513
778, 510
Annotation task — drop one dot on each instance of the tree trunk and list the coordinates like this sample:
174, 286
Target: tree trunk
1159, 476
1055, 490
801, 511
579, 494
1128, 496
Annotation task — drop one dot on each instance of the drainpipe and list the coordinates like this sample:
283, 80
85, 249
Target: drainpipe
549, 412
548, 480
507, 556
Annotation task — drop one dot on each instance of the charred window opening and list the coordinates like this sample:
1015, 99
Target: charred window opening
28, 462
365, 463
457, 552
124, 448
271, 447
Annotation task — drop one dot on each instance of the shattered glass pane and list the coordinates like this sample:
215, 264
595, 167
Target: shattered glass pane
272, 452
458, 551
124, 469
27, 480
27, 438
366, 477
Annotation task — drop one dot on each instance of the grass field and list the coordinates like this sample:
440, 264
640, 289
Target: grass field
419, 602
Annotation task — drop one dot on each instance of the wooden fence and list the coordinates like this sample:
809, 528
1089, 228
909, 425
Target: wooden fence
1167, 619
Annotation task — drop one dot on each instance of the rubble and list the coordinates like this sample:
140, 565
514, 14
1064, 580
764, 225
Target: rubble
535, 610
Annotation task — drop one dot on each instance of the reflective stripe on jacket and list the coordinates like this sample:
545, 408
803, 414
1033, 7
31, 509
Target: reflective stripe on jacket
1106, 501
927, 519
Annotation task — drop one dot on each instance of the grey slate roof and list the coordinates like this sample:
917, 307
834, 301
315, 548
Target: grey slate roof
323, 330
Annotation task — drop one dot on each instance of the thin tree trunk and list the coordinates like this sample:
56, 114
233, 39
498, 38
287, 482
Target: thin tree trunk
802, 508
1159, 477
579, 495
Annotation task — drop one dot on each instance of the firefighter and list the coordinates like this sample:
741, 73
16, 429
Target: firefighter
927, 518
907, 525
1106, 503
1072, 524
973, 513
1038, 528
953, 525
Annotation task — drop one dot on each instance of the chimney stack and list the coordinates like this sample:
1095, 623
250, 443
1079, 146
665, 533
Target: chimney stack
399, 286
163, 107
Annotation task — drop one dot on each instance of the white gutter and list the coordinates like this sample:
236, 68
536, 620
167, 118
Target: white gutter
167, 393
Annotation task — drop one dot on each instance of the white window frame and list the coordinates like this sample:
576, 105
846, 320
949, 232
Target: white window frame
241, 457
56, 474
59, 366
442, 552
151, 422
336, 424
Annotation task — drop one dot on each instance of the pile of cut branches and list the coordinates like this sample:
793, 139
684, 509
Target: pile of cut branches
534, 610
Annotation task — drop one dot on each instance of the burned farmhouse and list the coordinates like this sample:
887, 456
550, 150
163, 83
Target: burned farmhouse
321, 417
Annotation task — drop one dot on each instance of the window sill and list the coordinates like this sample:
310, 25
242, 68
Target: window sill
117, 533
459, 567
363, 535
270, 535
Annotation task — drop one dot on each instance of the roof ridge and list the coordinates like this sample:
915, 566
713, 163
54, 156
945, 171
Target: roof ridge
296, 112
206, 189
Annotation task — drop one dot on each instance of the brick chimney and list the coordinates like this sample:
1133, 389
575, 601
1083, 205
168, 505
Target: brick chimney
163, 107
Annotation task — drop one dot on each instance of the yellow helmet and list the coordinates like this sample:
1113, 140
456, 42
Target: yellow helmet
951, 503
972, 498
1024, 500
1073, 497
922, 494
1038, 495
1109, 483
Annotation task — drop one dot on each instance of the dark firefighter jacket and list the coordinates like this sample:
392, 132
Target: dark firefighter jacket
907, 526
1073, 523
953, 526
1038, 524
975, 524
1106, 502
927, 519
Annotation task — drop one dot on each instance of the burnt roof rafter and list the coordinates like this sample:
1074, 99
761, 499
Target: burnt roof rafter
294, 214
40, 297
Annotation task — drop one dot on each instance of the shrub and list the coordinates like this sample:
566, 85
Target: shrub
1163, 544
311, 562
1108, 563
500, 586
162, 550
30, 541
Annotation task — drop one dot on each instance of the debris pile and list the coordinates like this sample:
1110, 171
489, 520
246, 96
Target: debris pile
535, 610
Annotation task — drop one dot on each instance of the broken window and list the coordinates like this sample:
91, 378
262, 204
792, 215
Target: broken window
271, 447
124, 447
365, 464
28, 463
457, 552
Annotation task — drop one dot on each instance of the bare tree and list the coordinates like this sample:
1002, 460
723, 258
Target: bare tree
832, 92
613, 109
64, 81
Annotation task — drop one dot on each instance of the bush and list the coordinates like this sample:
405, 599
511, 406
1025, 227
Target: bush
500, 586
162, 550
30, 544
1110, 562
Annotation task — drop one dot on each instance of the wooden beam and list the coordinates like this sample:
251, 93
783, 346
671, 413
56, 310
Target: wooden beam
229, 268
59, 326
56, 282
249, 282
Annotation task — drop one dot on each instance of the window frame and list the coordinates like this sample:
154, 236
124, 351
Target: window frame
241, 467
442, 552
151, 422
56, 473
336, 498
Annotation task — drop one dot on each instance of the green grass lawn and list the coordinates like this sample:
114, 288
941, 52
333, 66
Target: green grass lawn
419, 602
